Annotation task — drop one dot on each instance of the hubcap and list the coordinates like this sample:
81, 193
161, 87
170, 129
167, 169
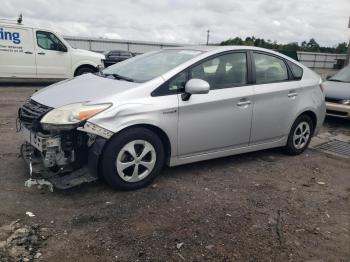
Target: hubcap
136, 160
301, 135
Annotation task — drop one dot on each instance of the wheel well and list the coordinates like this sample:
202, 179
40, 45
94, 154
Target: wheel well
161, 134
84, 66
313, 117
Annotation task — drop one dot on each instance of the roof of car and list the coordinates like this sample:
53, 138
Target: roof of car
208, 48
218, 49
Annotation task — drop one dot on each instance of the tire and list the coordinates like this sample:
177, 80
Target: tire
118, 163
84, 70
303, 128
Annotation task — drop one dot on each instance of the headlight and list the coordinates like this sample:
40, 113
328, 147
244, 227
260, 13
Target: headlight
72, 114
345, 102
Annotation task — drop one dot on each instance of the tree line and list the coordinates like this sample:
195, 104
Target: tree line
310, 46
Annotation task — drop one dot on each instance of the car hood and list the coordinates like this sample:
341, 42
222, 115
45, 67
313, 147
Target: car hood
89, 53
337, 90
84, 88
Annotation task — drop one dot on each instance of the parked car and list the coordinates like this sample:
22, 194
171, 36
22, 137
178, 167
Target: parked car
34, 53
337, 92
115, 56
174, 106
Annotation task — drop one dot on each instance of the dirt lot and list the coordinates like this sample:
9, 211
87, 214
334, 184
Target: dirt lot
262, 206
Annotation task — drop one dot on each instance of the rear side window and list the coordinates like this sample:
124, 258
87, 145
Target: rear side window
269, 69
297, 71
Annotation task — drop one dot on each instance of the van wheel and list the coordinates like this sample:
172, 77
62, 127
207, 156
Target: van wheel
132, 159
84, 70
300, 135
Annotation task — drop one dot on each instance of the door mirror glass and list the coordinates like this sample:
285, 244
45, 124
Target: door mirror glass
197, 86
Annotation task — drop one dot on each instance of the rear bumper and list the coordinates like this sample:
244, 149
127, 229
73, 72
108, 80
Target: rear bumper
338, 110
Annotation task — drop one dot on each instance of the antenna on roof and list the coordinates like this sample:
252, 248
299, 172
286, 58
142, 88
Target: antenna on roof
19, 20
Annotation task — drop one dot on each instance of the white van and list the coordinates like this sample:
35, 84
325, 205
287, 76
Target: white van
33, 53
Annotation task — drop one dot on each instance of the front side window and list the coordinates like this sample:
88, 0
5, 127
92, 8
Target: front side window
224, 71
269, 69
48, 41
145, 67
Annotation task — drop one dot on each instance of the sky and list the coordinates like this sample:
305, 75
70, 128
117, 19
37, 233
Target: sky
182, 21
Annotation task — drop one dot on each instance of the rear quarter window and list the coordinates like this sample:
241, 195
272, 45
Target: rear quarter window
297, 71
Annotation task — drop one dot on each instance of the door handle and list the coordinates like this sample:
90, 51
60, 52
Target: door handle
28, 53
244, 103
41, 53
292, 94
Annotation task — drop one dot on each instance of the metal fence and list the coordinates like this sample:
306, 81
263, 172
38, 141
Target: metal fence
309, 59
101, 45
320, 60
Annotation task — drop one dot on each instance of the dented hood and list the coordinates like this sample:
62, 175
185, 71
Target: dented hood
84, 88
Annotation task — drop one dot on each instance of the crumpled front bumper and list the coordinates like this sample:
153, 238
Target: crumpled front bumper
46, 159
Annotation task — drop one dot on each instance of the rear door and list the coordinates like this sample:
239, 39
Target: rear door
276, 98
17, 56
51, 61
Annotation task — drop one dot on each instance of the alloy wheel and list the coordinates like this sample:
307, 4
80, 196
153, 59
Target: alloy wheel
301, 135
136, 160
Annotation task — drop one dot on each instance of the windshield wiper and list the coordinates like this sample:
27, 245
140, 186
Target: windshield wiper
119, 77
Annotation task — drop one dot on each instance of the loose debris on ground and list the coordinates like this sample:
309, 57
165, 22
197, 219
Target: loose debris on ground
19, 242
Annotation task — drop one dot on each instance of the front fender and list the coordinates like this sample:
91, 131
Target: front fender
128, 115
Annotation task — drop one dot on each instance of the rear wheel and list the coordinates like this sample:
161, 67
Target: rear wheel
132, 159
300, 135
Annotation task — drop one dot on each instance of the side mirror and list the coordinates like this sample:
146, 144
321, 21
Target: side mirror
328, 77
195, 86
62, 48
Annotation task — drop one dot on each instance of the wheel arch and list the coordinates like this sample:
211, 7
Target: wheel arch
312, 115
84, 65
158, 131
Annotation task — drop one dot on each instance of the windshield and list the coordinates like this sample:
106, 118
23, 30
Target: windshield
145, 67
342, 76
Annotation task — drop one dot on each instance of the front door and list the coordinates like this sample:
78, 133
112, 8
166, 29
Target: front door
220, 119
51, 61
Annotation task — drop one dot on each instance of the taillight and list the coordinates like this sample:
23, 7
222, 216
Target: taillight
321, 87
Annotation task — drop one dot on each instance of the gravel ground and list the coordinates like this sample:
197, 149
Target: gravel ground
261, 206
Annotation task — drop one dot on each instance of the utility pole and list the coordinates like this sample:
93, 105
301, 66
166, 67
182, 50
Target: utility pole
208, 34
348, 55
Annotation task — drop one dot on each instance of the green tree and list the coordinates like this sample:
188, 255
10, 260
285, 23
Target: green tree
341, 48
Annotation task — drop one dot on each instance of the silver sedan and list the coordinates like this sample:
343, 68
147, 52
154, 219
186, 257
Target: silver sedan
173, 106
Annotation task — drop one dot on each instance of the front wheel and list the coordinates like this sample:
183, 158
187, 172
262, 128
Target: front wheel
300, 135
84, 70
132, 159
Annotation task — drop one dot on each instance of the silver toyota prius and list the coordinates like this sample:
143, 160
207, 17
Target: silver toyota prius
174, 106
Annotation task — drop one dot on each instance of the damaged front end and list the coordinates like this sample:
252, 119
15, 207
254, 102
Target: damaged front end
63, 155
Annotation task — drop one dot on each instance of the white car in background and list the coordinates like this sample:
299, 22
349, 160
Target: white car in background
34, 53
